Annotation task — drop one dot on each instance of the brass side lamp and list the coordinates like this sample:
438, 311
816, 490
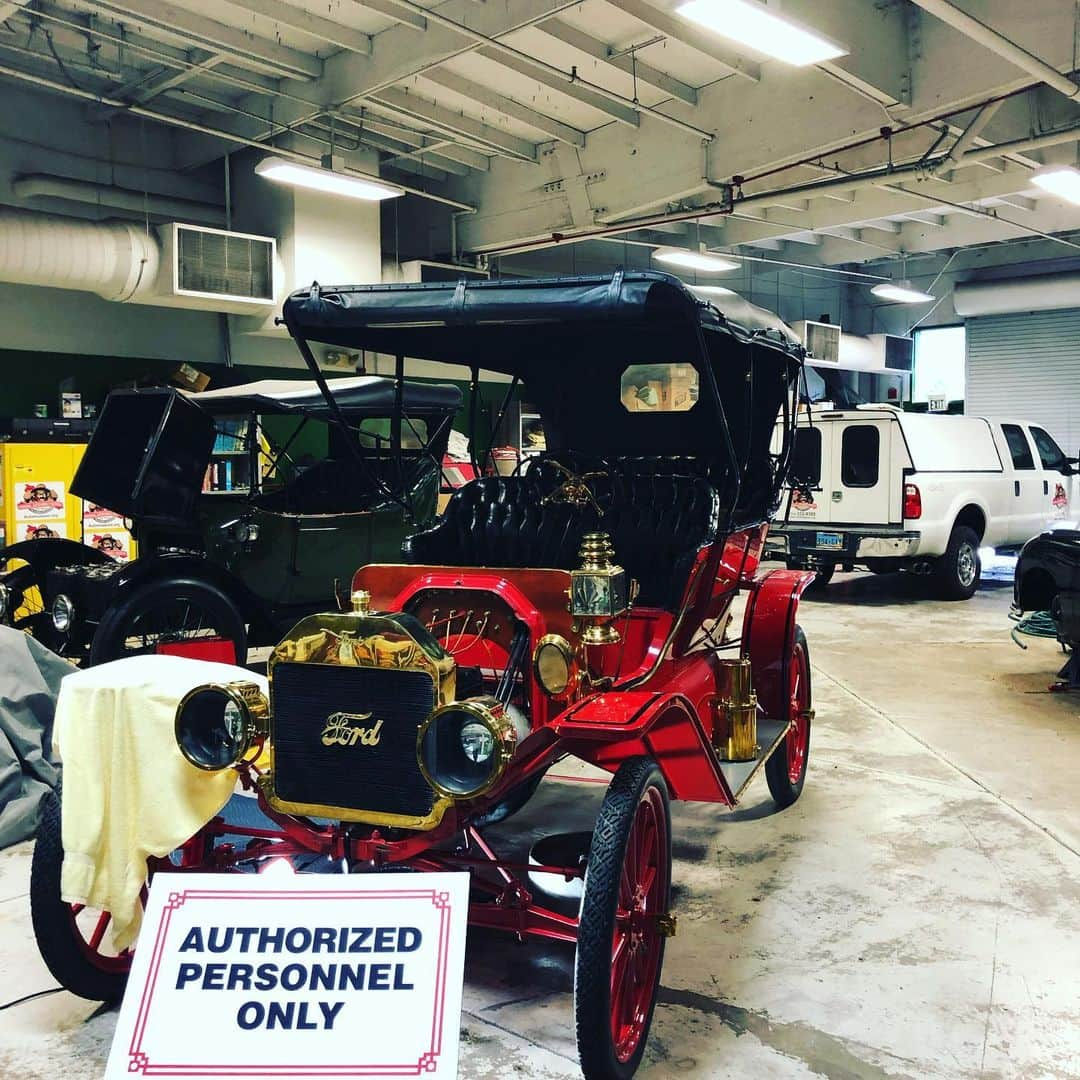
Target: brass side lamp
599, 590
735, 731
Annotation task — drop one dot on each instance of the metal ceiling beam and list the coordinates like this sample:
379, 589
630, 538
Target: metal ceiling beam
997, 43
207, 33
570, 86
314, 26
624, 61
697, 39
407, 19
437, 117
409, 138
507, 106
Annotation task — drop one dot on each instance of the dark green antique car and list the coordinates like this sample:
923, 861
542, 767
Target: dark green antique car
249, 504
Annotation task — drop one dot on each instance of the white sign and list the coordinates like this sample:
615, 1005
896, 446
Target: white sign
307, 975
937, 404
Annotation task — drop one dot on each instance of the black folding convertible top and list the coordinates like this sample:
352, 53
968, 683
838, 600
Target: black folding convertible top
502, 324
362, 395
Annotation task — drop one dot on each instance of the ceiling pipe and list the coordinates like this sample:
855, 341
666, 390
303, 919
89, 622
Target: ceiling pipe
966, 139
203, 129
44, 186
979, 32
883, 178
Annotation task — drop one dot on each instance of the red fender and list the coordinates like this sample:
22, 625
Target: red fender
609, 728
769, 634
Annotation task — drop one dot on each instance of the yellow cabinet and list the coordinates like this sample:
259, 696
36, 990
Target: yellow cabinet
36, 500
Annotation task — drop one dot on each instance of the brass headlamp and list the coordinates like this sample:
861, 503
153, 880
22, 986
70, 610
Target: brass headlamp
599, 590
217, 724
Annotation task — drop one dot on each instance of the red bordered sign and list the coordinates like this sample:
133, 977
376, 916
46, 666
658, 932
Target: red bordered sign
301, 976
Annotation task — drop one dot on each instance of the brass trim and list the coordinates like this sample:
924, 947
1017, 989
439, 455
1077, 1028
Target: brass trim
573, 669
349, 813
667, 924
254, 708
492, 715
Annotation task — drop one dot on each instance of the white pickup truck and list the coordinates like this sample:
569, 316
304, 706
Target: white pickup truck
891, 490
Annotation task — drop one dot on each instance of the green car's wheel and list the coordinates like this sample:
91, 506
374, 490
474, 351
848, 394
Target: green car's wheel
168, 613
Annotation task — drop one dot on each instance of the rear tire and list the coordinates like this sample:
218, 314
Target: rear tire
168, 612
785, 771
957, 572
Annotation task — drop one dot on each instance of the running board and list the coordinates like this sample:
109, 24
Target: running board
739, 774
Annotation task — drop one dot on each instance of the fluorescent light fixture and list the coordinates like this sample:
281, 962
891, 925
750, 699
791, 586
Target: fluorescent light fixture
715, 290
751, 24
901, 292
695, 260
1062, 181
283, 171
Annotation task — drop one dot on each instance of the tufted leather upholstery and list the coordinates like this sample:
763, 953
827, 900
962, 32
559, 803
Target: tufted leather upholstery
659, 511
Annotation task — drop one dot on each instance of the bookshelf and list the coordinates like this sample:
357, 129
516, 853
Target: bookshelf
230, 468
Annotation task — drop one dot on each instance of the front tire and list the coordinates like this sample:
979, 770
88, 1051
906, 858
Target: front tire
166, 613
785, 771
957, 572
621, 936
70, 938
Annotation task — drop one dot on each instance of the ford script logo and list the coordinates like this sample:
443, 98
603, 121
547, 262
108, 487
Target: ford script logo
345, 729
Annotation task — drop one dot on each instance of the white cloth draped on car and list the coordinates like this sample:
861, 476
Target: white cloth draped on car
129, 793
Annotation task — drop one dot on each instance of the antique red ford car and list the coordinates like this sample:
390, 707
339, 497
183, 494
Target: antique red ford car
583, 607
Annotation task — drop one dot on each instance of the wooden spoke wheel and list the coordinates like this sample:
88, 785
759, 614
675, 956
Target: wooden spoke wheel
624, 922
168, 613
25, 603
785, 771
75, 942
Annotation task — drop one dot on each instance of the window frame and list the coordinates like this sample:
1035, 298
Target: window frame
1018, 428
1061, 462
844, 468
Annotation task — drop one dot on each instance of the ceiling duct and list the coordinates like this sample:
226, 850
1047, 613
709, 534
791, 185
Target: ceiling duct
1042, 292
172, 265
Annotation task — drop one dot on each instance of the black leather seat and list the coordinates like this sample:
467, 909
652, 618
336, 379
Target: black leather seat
659, 512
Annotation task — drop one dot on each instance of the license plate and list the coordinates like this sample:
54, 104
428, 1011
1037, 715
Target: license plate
829, 540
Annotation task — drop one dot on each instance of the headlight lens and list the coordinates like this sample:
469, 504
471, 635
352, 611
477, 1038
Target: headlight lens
464, 748
555, 666
217, 725
5, 600
63, 613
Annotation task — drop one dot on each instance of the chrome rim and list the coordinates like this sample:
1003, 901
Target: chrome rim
967, 564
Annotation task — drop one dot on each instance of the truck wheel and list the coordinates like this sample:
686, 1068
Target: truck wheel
785, 771
167, 613
72, 939
957, 571
623, 928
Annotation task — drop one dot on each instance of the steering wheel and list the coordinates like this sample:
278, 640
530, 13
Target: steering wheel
574, 491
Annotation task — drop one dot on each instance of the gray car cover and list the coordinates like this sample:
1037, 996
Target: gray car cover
29, 684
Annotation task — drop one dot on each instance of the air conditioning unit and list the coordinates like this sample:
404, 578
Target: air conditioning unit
215, 270
822, 340
898, 353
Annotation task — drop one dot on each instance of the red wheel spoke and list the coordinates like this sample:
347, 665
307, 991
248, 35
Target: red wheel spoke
77, 909
99, 931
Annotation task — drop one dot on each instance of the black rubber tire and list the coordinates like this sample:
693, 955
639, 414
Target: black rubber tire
783, 790
112, 632
596, 929
51, 917
949, 577
822, 576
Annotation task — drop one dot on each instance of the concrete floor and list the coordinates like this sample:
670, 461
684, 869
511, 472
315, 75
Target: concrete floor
915, 915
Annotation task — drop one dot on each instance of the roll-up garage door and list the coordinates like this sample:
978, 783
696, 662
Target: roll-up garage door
1027, 366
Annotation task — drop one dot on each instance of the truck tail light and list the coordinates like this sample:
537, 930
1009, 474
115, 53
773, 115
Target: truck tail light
912, 501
